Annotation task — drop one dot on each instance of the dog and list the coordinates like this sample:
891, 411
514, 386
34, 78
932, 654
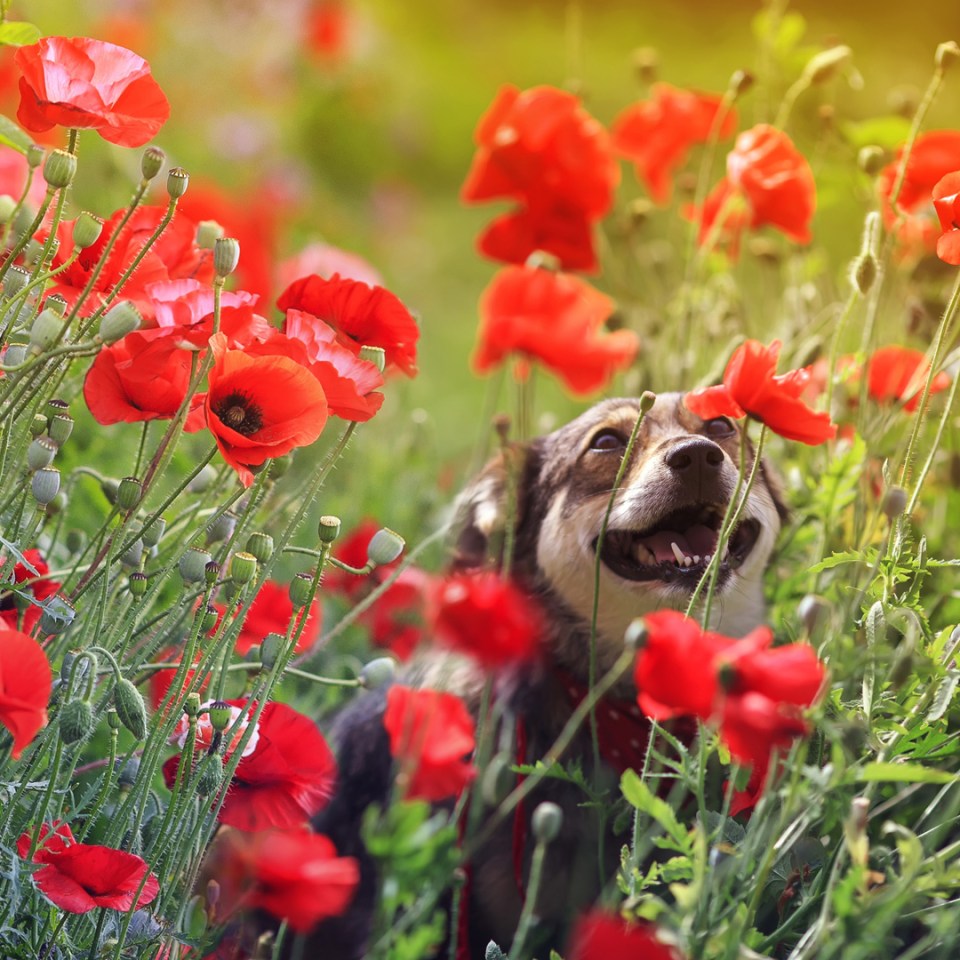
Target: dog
549, 498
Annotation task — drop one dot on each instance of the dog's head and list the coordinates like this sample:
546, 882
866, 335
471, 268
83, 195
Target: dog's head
662, 528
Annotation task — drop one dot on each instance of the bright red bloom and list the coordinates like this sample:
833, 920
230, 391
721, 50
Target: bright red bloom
789, 674
602, 936
656, 134
78, 877
186, 307
899, 373
768, 183
328, 29
555, 318
753, 726
160, 680
750, 386
946, 201
29, 592
259, 407
287, 772
396, 619
271, 612
431, 733
84, 83
360, 314
294, 875
52, 838
25, 686
485, 617
934, 155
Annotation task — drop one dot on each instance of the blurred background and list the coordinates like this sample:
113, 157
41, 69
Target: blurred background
350, 122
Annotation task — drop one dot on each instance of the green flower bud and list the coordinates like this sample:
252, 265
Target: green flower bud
260, 545
384, 547
129, 493
76, 721
113, 719
208, 233
7, 206
35, 155
827, 64
128, 702
45, 485
226, 256
222, 528
41, 452
647, 400
60, 427
498, 780
137, 584
546, 821
128, 773
375, 355
211, 775
109, 487
192, 564
871, 160
301, 590
328, 529
86, 230
45, 331
864, 272
947, 53
122, 318
177, 182
270, 649
894, 502
59, 169
243, 567
57, 613
15, 280
151, 163
132, 556
76, 540
152, 534
377, 673
191, 706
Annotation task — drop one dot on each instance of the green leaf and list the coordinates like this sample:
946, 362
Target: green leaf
847, 556
886, 132
18, 33
943, 696
639, 795
12, 136
901, 773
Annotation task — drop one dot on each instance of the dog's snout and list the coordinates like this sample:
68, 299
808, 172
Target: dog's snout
696, 455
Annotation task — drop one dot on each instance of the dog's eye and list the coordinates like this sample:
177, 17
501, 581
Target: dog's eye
605, 440
719, 427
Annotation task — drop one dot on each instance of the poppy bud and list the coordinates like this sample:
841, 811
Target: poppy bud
129, 493
270, 649
122, 318
191, 706
635, 637
7, 206
328, 529
647, 400
208, 233
646, 62
301, 590
191, 565
86, 230
152, 534
639, 212
243, 567
211, 776
41, 452
45, 330
219, 714
45, 485
498, 780
113, 721
871, 160
375, 355
60, 427
260, 545
546, 821
15, 280
740, 82
69, 658
894, 502
864, 272
130, 708
151, 162
377, 673
109, 487
222, 528
177, 182
35, 155
812, 611
132, 556
226, 256
76, 540
210, 617
827, 64
384, 547
211, 572
59, 169
15, 355
137, 584
128, 773
946, 54
76, 721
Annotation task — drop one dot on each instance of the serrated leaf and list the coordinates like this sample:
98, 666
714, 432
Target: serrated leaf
887, 132
12, 136
846, 556
901, 773
943, 696
18, 33
726, 829
639, 795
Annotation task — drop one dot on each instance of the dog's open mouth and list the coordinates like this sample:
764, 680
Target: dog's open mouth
678, 547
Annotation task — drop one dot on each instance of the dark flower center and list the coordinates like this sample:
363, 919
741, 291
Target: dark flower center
239, 413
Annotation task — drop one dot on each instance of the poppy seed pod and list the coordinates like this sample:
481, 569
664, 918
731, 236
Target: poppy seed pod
38, 425
59, 169
152, 534
208, 233
15, 280
177, 182
546, 821
86, 230
211, 573
191, 565
270, 649
45, 484
243, 567
328, 529
122, 318
137, 584
133, 555
129, 492
210, 617
151, 163
7, 206
222, 528
260, 545
377, 673
301, 590
45, 330
375, 355
15, 355
220, 714
41, 452
226, 256
60, 426
384, 547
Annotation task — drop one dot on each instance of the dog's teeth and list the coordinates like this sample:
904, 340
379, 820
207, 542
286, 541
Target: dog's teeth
688, 561
696, 559
707, 557
678, 553
644, 554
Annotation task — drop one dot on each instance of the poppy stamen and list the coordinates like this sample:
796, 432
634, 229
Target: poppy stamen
239, 413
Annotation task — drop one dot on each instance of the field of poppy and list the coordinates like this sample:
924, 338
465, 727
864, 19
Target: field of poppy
275, 281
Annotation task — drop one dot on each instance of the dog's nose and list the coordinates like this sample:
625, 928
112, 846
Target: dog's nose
695, 458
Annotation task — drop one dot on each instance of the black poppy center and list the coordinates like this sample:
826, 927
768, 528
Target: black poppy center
240, 413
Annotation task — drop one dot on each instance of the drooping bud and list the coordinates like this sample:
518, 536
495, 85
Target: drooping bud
243, 567
864, 272
109, 487
827, 64
45, 331
812, 611
86, 230
59, 169
226, 256
76, 721
41, 452
635, 637
377, 673
122, 318
177, 182
498, 780
130, 708
45, 484
151, 163
208, 232
740, 82
947, 53
192, 564
871, 159
301, 590
375, 355
384, 547
546, 821
260, 545
328, 529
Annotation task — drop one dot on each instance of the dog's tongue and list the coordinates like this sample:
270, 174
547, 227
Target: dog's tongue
698, 540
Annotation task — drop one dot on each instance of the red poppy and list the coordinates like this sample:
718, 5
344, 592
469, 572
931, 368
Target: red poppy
431, 734
206, 736
271, 612
161, 680
287, 772
485, 617
52, 838
753, 726
750, 386
25, 686
946, 201
360, 314
899, 373
934, 155
78, 877
555, 318
656, 134
84, 83
29, 592
789, 674
768, 183
602, 936
294, 875
396, 618
186, 306
328, 29
259, 407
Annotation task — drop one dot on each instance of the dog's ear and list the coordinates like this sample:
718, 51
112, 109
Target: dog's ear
493, 500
